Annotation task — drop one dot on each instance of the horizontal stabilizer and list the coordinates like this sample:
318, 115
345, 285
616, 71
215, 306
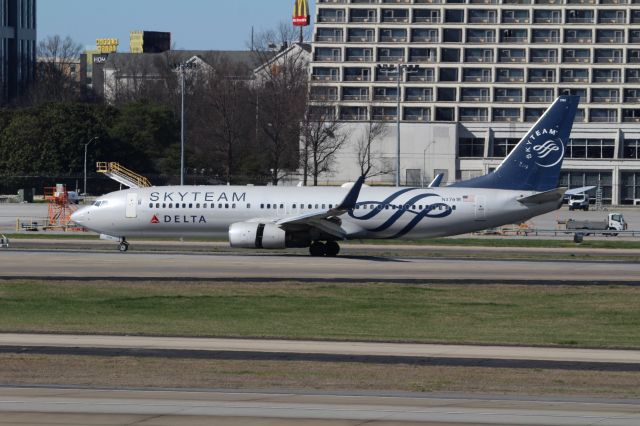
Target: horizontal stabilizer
576, 191
544, 197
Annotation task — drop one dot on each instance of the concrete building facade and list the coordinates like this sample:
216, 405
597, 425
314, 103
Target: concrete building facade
17, 47
475, 75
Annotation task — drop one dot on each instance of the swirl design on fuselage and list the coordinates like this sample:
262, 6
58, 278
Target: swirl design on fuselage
429, 210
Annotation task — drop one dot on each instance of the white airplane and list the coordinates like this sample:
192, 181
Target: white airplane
523, 186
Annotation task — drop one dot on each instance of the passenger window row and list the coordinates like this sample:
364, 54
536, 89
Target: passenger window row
192, 205
293, 206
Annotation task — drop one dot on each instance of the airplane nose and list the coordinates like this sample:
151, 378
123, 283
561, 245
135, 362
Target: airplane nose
78, 217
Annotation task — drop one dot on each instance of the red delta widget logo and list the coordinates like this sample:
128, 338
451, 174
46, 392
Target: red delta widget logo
178, 219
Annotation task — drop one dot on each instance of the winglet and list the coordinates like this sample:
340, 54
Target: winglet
351, 199
435, 183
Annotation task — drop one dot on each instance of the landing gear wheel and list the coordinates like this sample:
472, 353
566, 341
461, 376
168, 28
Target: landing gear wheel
332, 249
317, 249
123, 246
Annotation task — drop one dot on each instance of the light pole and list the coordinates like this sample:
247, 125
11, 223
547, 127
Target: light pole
424, 162
400, 70
182, 67
95, 138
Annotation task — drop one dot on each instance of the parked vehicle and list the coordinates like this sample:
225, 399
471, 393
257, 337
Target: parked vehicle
579, 201
75, 197
613, 222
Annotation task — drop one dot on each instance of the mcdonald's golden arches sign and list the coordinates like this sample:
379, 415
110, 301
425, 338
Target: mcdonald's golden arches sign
301, 13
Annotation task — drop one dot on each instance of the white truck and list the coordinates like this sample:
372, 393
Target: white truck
613, 222
579, 201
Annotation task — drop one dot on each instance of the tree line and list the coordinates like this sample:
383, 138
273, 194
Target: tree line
241, 126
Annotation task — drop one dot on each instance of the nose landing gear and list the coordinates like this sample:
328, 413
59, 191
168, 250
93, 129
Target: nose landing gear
328, 249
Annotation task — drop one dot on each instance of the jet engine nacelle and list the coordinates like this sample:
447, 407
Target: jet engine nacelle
257, 235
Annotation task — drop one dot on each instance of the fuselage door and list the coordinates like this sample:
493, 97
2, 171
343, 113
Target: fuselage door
132, 204
481, 210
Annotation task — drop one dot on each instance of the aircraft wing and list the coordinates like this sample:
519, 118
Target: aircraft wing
322, 219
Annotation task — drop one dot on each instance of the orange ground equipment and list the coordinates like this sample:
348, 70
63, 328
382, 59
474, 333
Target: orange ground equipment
60, 209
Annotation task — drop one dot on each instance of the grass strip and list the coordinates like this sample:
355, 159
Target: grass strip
501, 314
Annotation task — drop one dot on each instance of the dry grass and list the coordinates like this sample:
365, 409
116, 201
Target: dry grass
23, 369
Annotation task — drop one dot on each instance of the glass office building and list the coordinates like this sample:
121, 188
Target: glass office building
486, 70
17, 47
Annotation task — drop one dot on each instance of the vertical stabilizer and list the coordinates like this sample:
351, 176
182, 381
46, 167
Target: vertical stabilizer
535, 163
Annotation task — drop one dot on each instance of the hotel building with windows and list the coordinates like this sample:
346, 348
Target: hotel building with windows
486, 70
17, 47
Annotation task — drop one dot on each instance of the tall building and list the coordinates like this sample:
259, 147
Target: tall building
17, 47
475, 74
149, 42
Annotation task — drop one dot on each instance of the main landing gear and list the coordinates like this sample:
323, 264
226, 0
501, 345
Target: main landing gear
123, 246
328, 249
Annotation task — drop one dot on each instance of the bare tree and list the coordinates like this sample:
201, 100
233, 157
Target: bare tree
227, 113
279, 38
57, 70
323, 135
135, 77
367, 155
281, 96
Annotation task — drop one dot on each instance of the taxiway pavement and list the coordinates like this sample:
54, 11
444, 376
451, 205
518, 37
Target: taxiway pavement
149, 266
384, 349
39, 406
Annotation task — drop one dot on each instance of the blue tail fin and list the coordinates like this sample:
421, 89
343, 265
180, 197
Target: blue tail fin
535, 163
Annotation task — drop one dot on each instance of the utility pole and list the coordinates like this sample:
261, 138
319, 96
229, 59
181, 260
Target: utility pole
182, 126
400, 70
85, 162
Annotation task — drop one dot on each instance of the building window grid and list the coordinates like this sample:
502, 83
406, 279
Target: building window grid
631, 149
552, 32
503, 146
579, 178
591, 148
629, 187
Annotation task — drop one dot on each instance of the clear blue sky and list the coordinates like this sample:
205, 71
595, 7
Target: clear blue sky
194, 24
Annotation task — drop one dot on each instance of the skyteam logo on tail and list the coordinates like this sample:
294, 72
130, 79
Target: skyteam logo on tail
548, 153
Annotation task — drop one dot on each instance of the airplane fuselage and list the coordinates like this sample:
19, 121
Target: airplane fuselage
524, 185
380, 212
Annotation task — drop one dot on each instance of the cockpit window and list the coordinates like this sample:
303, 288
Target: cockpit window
99, 203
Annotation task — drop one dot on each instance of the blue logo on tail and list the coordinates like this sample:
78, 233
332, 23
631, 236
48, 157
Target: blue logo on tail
535, 163
549, 153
